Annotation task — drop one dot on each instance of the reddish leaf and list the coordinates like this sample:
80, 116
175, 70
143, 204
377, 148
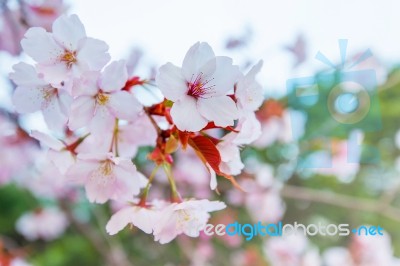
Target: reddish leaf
207, 151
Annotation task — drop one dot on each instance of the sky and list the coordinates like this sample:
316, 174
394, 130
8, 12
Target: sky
166, 29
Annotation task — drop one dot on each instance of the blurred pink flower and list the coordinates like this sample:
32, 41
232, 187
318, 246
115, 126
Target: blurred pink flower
46, 224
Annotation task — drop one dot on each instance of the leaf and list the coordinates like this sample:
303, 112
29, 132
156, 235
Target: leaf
207, 151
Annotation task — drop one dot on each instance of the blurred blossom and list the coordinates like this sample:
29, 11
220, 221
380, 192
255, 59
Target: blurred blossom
46, 224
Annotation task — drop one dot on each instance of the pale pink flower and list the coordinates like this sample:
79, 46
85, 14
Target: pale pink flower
65, 52
57, 153
231, 162
46, 224
101, 100
248, 92
249, 129
199, 89
337, 256
34, 93
287, 250
143, 218
43, 13
11, 32
188, 217
106, 177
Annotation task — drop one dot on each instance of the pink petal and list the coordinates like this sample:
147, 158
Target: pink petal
197, 56
41, 46
124, 105
186, 116
54, 117
171, 82
222, 110
102, 121
94, 53
47, 140
26, 75
27, 100
119, 220
82, 111
68, 30
63, 160
114, 76
225, 75
79, 172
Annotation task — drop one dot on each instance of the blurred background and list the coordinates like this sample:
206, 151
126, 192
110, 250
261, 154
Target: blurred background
310, 165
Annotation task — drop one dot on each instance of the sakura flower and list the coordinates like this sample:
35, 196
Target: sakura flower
248, 92
188, 217
46, 224
34, 93
106, 177
143, 218
65, 52
200, 89
58, 152
101, 100
11, 32
43, 13
230, 156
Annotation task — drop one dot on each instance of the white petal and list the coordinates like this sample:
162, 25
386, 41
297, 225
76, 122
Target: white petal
119, 220
82, 112
63, 160
41, 46
197, 56
213, 177
94, 53
54, 73
27, 100
102, 121
54, 117
26, 75
124, 105
68, 30
222, 110
225, 75
114, 76
186, 116
171, 82
79, 172
47, 140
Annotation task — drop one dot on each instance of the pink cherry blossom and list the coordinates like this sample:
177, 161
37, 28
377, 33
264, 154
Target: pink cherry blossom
199, 89
248, 92
106, 177
188, 217
230, 156
143, 218
34, 93
101, 100
65, 52
43, 13
46, 224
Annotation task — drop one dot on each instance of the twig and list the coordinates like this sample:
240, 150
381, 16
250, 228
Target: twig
340, 200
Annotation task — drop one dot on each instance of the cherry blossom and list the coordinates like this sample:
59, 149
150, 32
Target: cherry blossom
200, 89
188, 217
35, 225
106, 177
34, 93
145, 218
65, 52
101, 100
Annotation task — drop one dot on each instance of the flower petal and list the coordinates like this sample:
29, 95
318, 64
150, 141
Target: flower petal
82, 112
41, 46
119, 220
47, 140
124, 105
171, 82
26, 75
186, 116
94, 53
68, 30
102, 121
222, 110
114, 76
27, 100
197, 56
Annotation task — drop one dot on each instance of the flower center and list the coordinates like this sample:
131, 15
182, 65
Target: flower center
103, 174
199, 88
69, 58
102, 98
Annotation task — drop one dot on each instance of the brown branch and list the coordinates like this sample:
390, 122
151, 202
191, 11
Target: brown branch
340, 200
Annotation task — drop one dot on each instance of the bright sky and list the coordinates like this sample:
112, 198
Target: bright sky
168, 28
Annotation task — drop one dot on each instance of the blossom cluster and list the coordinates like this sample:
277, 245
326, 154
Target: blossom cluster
98, 122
